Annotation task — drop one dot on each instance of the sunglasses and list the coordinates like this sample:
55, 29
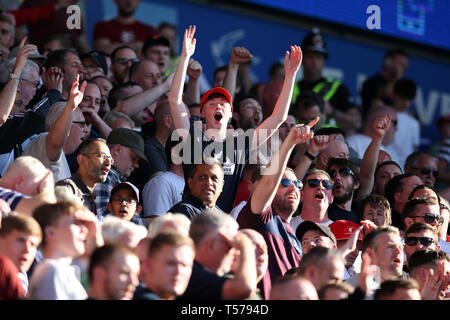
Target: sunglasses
426, 170
344, 172
314, 183
412, 241
285, 182
124, 61
430, 218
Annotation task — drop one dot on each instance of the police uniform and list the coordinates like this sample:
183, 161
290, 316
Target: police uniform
333, 91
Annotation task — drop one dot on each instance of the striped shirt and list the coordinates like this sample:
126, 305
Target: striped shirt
11, 197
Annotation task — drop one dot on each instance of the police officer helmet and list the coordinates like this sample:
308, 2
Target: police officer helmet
314, 42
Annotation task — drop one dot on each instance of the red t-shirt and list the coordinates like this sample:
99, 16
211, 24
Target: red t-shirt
243, 192
124, 33
284, 249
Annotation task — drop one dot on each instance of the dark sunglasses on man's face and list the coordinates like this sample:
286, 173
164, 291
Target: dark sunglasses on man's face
314, 183
285, 182
344, 172
426, 171
412, 241
430, 218
125, 60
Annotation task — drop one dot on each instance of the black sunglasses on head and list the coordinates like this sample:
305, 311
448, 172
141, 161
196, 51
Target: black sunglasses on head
344, 172
430, 218
426, 170
314, 183
285, 182
412, 241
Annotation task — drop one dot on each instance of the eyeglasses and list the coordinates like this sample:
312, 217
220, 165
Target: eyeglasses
430, 218
93, 68
412, 241
154, 76
285, 182
128, 202
426, 170
344, 172
103, 156
35, 84
287, 125
314, 183
125, 60
82, 124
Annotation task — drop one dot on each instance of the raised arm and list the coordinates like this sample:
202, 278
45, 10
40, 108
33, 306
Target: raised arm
316, 146
142, 100
194, 72
178, 109
8, 93
292, 62
238, 55
244, 281
265, 192
369, 162
57, 136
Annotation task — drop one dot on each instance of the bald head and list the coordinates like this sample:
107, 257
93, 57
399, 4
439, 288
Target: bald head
294, 288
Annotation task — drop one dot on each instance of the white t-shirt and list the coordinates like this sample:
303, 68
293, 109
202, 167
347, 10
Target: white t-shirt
161, 193
236, 210
295, 222
407, 136
56, 280
37, 149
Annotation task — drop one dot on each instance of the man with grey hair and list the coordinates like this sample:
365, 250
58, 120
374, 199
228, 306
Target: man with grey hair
16, 95
48, 146
216, 237
117, 119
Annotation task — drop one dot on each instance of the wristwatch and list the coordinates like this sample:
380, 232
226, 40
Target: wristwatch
310, 156
14, 76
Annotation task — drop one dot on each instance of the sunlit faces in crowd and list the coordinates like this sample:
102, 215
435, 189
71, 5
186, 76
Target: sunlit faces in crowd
124, 202
424, 165
317, 190
384, 172
286, 127
206, 182
420, 236
250, 114
377, 209
121, 63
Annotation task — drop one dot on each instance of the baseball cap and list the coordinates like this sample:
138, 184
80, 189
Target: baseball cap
216, 90
128, 138
35, 55
343, 229
99, 59
307, 225
124, 185
155, 40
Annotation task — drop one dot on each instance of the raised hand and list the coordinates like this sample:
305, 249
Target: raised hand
350, 245
301, 133
293, 60
52, 78
381, 125
76, 94
189, 42
240, 55
319, 144
194, 69
22, 55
